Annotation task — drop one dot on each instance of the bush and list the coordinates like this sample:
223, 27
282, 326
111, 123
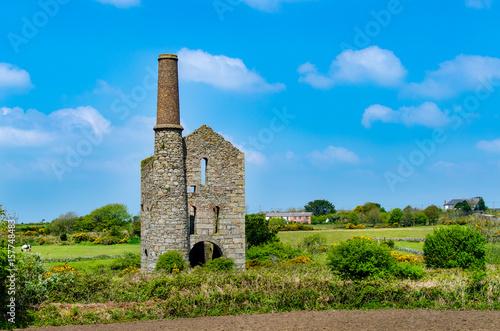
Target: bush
389, 243
127, 260
408, 270
360, 258
258, 231
64, 237
455, 246
169, 261
313, 243
273, 253
293, 227
221, 264
79, 237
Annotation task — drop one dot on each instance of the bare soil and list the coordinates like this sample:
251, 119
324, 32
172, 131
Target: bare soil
395, 320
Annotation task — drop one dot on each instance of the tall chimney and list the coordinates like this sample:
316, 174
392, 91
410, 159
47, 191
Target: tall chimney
167, 116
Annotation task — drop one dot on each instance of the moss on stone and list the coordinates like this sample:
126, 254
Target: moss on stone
147, 162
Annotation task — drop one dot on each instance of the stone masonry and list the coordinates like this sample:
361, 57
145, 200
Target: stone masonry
203, 218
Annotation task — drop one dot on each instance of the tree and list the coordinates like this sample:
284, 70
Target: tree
396, 216
409, 216
421, 218
432, 212
320, 207
257, 230
464, 207
374, 217
114, 214
481, 206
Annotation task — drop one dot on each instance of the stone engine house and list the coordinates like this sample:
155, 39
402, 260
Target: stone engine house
192, 188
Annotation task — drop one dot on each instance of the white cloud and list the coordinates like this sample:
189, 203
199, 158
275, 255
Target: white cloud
465, 73
489, 146
11, 77
33, 128
222, 72
76, 140
82, 117
103, 87
427, 114
15, 137
269, 5
121, 3
369, 65
479, 4
333, 155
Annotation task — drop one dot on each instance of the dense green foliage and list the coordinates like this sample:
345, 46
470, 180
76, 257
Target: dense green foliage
125, 261
273, 252
360, 258
320, 207
221, 264
396, 216
106, 217
276, 289
170, 260
432, 212
258, 231
464, 207
313, 243
455, 246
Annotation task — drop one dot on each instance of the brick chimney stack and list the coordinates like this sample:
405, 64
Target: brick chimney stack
167, 116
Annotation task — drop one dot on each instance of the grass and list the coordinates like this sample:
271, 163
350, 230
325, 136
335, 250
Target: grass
79, 250
336, 235
418, 246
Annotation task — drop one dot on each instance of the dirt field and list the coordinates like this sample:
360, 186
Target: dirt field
317, 320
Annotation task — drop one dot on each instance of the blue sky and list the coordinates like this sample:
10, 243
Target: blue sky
394, 102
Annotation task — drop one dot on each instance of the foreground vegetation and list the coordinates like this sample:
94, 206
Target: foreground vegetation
82, 281
84, 299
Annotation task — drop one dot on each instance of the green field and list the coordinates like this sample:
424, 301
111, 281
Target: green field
78, 250
334, 236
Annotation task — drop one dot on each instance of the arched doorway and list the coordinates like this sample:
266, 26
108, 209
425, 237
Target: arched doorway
203, 252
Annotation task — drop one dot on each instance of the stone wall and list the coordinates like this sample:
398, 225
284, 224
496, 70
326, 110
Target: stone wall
163, 200
223, 192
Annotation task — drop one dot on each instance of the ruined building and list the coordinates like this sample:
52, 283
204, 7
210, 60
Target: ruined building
192, 188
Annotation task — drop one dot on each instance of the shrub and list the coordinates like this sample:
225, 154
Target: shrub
272, 253
421, 218
408, 270
408, 258
127, 260
360, 258
79, 237
455, 246
169, 261
221, 264
299, 260
258, 231
64, 237
313, 243
294, 227
389, 243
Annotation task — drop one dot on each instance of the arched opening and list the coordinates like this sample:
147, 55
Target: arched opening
203, 252
216, 218
146, 252
192, 220
204, 163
